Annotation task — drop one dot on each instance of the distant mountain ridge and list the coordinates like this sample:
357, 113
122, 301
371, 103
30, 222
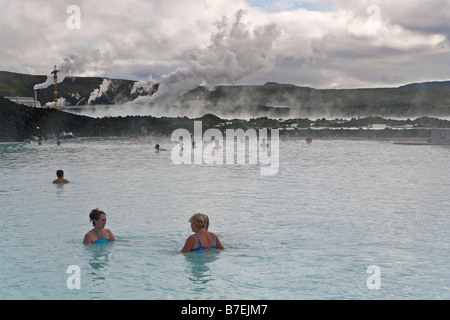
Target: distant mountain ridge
428, 84
271, 99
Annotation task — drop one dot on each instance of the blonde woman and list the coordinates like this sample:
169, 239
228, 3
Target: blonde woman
202, 240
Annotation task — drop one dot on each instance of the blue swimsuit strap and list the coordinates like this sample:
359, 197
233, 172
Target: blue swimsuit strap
200, 243
214, 240
98, 235
100, 239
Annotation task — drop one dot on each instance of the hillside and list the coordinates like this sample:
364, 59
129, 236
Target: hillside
272, 99
429, 84
309, 102
75, 90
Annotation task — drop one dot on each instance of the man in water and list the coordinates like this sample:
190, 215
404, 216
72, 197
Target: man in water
60, 180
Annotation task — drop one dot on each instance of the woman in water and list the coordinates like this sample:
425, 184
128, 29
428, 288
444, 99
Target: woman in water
202, 240
99, 234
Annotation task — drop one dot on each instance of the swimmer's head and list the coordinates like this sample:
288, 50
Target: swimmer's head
60, 173
201, 220
157, 146
95, 215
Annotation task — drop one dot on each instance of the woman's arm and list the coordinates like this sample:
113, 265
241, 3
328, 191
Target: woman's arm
111, 236
218, 243
189, 244
87, 239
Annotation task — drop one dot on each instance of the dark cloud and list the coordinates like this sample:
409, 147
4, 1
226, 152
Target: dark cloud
351, 43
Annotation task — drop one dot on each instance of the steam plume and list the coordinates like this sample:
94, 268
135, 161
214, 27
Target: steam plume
76, 64
97, 93
234, 52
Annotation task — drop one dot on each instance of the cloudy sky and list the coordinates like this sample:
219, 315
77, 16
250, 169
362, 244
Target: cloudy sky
316, 43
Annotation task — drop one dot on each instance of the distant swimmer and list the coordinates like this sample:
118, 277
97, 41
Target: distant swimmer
264, 144
217, 145
202, 240
308, 138
158, 149
60, 180
99, 234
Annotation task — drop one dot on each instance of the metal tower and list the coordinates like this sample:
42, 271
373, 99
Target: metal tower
55, 86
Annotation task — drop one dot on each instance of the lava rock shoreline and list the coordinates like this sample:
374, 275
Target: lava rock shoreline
20, 122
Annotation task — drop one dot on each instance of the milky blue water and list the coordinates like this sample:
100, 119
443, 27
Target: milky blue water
334, 209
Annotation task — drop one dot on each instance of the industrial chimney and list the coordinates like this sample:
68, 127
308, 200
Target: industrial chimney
55, 86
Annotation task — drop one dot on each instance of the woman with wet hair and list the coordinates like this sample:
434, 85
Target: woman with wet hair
202, 239
99, 234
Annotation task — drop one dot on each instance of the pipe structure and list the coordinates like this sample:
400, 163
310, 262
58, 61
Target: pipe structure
55, 86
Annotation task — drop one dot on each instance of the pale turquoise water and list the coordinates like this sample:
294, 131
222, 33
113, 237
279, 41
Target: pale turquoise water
335, 208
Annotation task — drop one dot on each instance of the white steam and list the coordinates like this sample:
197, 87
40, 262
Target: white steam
77, 64
60, 102
45, 84
144, 87
97, 93
234, 53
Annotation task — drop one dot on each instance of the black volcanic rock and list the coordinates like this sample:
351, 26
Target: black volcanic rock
19, 122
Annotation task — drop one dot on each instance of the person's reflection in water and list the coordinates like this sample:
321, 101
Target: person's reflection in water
199, 268
98, 259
